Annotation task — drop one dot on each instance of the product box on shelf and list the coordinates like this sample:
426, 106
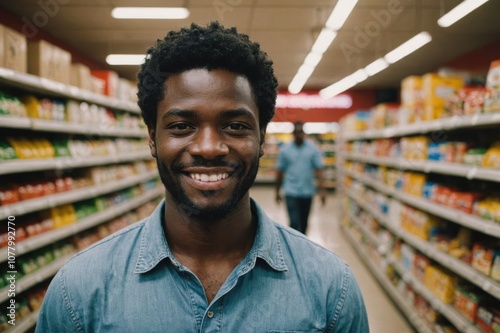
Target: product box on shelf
482, 258
110, 79
485, 318
13, 49
467, 301
49, 61
492, 101
80, 76
436, 90
440, 282
411, 100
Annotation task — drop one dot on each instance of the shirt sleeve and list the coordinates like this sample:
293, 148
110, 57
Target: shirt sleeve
350, 315
55, 314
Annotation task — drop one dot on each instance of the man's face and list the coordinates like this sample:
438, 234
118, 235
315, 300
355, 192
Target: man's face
298, 134
207, 141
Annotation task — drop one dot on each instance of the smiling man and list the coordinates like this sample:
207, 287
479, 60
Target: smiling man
208, 259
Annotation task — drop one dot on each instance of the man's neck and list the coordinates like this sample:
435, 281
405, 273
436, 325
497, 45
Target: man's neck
199, 240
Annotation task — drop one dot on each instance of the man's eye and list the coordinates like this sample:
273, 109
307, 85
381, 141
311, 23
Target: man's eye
237, 127
180, 128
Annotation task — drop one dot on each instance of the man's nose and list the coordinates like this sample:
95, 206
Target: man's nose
209, 143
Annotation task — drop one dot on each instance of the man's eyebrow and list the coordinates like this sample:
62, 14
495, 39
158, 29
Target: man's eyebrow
180, 113
237, 113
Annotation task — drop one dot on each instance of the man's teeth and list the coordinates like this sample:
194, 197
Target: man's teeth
209, 178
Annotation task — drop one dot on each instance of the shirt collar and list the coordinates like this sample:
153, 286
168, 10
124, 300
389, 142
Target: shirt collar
153, 246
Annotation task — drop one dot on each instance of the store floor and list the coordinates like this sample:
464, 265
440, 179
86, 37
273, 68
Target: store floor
324, 229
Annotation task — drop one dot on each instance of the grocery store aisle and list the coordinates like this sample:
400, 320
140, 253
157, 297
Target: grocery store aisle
324, 229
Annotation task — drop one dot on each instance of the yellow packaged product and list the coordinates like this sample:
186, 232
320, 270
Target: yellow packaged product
436, 91
44, 147
415, 148
442, 284
492, 157
24, 148
414, 183
33, 107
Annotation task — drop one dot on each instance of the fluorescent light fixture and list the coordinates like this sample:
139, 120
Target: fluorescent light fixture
125, 59
322, 43
461, 10
408, 47
150, 13
344, 84
376, 66
300, 79
340, 13
313, 59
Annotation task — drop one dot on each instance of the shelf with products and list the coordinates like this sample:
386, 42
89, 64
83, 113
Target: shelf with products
431, 251
25, 323
45, 86
35, 242
27, 206
437, 298
36, 268
427, 172
486, 226
406, 307
75, 167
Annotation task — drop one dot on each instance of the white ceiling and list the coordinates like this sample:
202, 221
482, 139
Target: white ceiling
286, 30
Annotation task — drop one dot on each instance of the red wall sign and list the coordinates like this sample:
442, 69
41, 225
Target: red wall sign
310, 107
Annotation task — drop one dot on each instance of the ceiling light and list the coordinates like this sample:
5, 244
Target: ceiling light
344, 84
340, 14
313, 59
150, 13
408, 47
376, 66
457, 13
322, 43
300, 79
125, 59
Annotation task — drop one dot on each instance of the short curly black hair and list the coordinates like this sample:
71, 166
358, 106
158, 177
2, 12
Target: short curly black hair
210, 47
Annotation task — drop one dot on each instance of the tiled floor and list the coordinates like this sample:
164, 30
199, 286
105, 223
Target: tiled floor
324, 229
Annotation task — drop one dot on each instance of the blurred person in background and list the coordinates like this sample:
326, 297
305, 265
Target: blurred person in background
299, 162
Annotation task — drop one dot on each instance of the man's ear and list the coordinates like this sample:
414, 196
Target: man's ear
152, 141
262, 141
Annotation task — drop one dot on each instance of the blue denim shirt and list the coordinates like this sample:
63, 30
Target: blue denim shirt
130, 282
298, 163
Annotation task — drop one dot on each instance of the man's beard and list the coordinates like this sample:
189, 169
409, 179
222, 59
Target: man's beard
210, 213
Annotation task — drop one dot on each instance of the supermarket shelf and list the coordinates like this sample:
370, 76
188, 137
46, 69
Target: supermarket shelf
41, 85
27, 165
72, 128
368, 234
62, 198
36, 242
466, 271
446, 310
407, 309
36, 277
468, 171
25, 323
477, 223
426, 127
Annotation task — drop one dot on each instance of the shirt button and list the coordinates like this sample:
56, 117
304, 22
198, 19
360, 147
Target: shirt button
210, 314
